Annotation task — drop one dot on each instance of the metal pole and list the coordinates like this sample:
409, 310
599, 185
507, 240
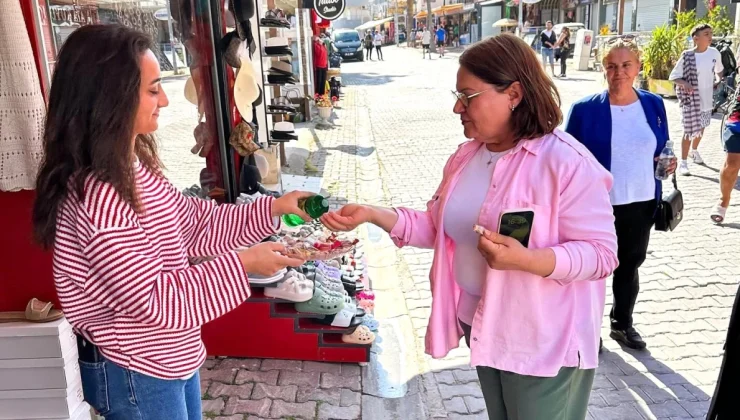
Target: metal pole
737, 19
521, 18
172, 37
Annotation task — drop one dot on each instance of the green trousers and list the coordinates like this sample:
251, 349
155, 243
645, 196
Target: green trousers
510, 396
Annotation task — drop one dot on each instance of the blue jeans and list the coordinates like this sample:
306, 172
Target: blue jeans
548, 53
122, 394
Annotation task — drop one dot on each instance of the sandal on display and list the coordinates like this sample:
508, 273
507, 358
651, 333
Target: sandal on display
36, 311
366, 294
370, 322
321, 303
333, 286
367, 305
256, 279
362, 335
346, 318
293, 289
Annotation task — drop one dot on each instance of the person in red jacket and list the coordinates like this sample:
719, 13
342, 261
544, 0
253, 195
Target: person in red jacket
321, 64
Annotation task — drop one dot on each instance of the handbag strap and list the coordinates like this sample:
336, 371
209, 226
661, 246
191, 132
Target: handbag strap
675, 183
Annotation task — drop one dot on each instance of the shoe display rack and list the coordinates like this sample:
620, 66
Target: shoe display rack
281, 60
270, 327
39, 372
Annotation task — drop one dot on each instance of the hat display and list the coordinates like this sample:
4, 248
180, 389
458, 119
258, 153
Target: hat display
191, 94
246, 90
282, 67
232, 47
278, 46
280, 79
283, 131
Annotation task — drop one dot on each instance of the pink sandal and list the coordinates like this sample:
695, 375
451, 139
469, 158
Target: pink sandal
366, 304
366, 294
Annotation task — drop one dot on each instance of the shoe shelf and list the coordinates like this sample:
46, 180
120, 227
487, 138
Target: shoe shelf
266, 327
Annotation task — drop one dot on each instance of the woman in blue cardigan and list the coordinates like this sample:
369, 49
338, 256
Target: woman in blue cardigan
625, 129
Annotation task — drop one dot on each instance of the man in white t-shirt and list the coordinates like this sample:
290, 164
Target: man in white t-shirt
426, 41
708, 68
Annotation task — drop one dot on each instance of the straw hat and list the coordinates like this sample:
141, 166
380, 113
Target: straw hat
246, 89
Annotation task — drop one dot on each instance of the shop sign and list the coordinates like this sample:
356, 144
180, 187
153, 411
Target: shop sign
161, 14
329, 9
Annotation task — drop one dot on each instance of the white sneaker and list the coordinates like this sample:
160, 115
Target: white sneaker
683, 169
696, 157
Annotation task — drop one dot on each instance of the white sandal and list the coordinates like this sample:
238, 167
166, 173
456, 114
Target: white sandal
292, 289
718, 215
362, 335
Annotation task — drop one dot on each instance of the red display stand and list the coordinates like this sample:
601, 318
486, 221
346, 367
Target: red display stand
270, 328
26, 268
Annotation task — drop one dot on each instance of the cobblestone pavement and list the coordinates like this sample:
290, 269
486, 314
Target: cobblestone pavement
392, 136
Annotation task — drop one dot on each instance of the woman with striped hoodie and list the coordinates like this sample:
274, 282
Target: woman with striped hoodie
123, 235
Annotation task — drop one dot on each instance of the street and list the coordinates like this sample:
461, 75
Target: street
394, 130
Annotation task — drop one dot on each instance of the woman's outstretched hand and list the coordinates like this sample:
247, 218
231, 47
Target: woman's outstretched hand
288, 204
266, 259
347, 218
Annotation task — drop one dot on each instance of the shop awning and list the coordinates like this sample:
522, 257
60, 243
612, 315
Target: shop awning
449, 9
372, 24
421, 15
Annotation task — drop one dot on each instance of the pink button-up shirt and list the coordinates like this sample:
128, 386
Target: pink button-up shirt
524, 323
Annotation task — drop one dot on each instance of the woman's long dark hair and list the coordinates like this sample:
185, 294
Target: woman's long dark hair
90, 121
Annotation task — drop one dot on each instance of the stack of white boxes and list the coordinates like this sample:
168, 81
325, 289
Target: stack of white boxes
39, 372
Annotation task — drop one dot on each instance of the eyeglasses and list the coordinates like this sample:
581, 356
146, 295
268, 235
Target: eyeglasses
465, 99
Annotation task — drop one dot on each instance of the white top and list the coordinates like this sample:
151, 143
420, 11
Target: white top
633, 147
426, 37
707, 64
378, 40
461, 213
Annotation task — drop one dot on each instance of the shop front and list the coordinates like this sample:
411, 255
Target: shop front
244, 82
609, 13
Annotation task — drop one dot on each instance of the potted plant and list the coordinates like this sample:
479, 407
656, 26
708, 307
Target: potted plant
323, 103
660, 56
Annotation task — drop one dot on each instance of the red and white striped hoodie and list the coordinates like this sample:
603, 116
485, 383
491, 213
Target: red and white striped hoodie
124, 280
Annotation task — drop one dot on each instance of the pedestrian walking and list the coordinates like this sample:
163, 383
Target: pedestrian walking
426, 41
441, 35
530, 309
321, 65
547, 39
378, 42
122, 235
563, 45
695, 75
368, 45
729, 172
625, 129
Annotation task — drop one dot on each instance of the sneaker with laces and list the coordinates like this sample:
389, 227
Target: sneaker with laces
629, 337
696, 157
683, 169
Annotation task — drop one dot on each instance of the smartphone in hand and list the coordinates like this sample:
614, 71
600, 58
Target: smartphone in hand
517, 224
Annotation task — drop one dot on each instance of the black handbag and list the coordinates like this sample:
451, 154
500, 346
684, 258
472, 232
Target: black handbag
670, 210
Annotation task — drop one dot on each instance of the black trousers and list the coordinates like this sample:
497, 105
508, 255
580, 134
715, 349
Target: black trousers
563, 56
380, 53
368, 53
633, 223
320, 81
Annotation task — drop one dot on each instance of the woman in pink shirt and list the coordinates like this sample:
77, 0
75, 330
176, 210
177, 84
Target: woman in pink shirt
530, 315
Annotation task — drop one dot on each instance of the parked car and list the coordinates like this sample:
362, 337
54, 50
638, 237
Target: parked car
348, 44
